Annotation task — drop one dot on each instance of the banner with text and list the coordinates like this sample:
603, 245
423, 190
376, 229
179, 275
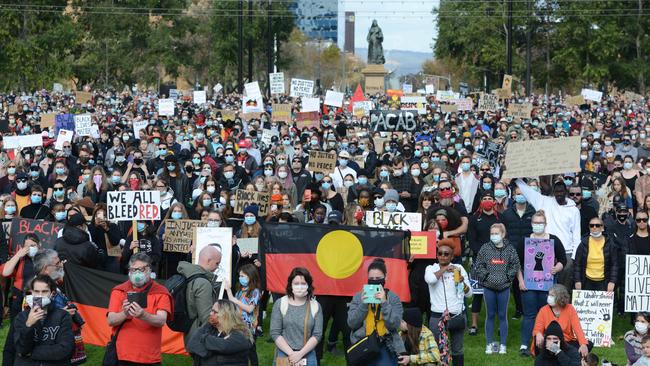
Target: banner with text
394, 220
402, 120
133, 205
595, 310
637, 283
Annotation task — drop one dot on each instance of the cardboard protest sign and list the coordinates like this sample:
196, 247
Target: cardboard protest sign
47, 120
575, 100
253, 89
267, 136
82, 124
227, 114
199, 97
521, 111
333, 98
637, 283
394, 220
133, 205
307, 119
254, 104
45, 230
63, 122
321, 161
593, 95
507, 82
502, 93
139, 125
423, 244
595, 310
542, 157
83, 97
166, 107
15, 142
401, 120
360, 160
301, 88
539, 259
62, 137
419, 103
464, 104
448, 108
488, 102
429, 89
446, 95
179, 234
309, 104
281, 112
248, 245
221, 238
276, 80
245, 198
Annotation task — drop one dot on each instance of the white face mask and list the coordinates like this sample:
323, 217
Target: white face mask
299, 290
32, 251
29, 299
641, 328
551, 300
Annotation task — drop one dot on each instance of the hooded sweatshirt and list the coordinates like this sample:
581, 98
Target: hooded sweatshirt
496, 268
568, 355
75, 246
563, 221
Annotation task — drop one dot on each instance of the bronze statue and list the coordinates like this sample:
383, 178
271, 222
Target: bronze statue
375, 49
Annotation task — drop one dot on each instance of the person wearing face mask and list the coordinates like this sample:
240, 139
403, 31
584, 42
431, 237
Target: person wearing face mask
554, 350
343, 169
74, 245
23, 191
300, 177
36, 210
201, 292
177, 182
251, 226
497, 264
147, 243
140, 329
155, 165
331, 196
402, 182
391, 202
231, 180
467, 182
36, 347
632, 338
293, 340
383, 315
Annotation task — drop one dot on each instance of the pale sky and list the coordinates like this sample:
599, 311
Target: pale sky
407, 24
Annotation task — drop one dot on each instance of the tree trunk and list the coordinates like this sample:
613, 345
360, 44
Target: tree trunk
639, 34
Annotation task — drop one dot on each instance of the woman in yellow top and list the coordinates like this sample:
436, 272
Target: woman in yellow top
596, 261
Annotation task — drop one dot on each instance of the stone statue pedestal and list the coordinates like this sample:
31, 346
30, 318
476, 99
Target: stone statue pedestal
375, 78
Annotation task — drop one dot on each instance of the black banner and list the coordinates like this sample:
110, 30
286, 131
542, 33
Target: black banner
400, 120
45, 230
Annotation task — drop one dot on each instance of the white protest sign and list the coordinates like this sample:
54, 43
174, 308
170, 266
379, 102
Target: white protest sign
166, 107
253, 89
276, 80
394, 220
360, 109
595, 310
267, 135
14, 142
199, 97
590, 94
542, 157
82, 124
446, 95
64, 135
252, 104
464, 104
221, 238
429, 89
333, 98
419, 103
217, 88
139, 125
301, 88
637, 283
133, 205
310, 104
407, 88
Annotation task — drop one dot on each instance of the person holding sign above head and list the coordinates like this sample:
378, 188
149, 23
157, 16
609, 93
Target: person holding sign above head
596, 260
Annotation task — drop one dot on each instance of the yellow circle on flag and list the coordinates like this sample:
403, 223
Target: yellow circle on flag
339, 254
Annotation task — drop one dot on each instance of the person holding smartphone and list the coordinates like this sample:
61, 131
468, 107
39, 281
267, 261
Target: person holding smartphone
555, 351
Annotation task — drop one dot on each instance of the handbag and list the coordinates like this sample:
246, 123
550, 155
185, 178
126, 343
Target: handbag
110, 354
366, 349
284, 360
456, 322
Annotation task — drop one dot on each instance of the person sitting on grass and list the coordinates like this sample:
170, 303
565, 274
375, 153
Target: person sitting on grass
645, 359
420, 344
555, 351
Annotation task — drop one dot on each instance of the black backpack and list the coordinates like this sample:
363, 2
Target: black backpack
177, 287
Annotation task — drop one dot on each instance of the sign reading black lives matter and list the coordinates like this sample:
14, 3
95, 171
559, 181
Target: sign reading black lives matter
133, 205
637, 283
244, 198
401, 120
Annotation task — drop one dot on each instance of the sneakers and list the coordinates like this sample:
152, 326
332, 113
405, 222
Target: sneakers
473, 331
517, 315
502, 349
524, 351
488, 349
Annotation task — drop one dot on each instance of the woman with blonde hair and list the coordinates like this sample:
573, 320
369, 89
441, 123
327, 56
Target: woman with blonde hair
224, 340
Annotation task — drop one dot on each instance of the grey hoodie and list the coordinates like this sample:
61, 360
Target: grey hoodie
200, 295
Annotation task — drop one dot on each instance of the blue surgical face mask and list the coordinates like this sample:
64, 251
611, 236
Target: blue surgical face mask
141, 227
115, 179
229, 159
384, 173
318, 176
363, 181
196, 161
500, 192
520, 198
326, 185
34, 173
58, 194
391, 206
243, 281
465, 166
424, 165
206, 202
586, 194
36, 199
568, 182
249, 220
435, 158
495, 238
177, 215
10, 210
487, 186
59, 171
60, 216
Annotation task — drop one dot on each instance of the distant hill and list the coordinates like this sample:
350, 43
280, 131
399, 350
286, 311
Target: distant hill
403, 62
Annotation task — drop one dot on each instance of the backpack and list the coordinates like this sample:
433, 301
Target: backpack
284, 306
177, 287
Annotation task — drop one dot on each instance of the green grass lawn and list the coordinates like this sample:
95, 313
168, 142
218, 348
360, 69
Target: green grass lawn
474, 347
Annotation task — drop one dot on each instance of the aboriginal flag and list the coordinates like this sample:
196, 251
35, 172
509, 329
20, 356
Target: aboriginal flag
90, 290
336, 256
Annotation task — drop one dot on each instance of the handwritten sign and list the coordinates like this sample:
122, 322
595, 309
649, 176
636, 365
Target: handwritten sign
575, 100
15, 142
381, 120
464, 104
281, 112
133, 205
166, 107
199, 97
308, 104
83, 97
361, 109
139, 125
595, 310
637, 283
301, 88
448, 108
429, 89
83, 124
227, 114
321, 161
507, 82
245, 198
419, 103
276, 80
45, 230
593, 95
267, 136
542, 157
221, 238
64, 122
488, 102
179, 233
521, 111
47, 120
539, 259
394, 220
253, 89
446, 95
423, 244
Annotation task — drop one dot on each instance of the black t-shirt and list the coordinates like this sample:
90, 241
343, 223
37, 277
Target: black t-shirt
639, 245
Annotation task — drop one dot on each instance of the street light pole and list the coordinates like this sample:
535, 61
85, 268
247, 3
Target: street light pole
240, 55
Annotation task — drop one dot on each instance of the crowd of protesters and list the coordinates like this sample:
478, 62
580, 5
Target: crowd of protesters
449, 169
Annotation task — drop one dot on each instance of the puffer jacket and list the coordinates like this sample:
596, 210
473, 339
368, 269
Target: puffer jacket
75, 246
611, 260
208, 347
49, 342
496, 268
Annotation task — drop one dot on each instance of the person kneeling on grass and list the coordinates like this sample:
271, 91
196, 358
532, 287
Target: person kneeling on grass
556, 352
420, 344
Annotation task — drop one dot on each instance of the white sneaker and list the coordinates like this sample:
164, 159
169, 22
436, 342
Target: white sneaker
502, 349
488, 349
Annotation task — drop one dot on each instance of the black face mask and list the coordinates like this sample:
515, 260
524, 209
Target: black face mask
137, 161
621, 217
189, 168
381, 282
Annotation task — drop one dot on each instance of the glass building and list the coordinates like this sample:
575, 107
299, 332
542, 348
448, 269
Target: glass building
318, 19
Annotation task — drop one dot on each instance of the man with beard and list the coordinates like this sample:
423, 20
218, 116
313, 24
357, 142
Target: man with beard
586, 212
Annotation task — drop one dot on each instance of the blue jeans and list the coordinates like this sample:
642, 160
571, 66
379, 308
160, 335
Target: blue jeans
496, 302
386, 358
531, 302
311, 357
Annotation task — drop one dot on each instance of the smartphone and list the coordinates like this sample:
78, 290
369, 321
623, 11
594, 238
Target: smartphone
307, 195
369, 292
38, 302
137, 297
302, 362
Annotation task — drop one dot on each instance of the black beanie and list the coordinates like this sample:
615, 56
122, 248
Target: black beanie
76, 220
555, 329
413, 317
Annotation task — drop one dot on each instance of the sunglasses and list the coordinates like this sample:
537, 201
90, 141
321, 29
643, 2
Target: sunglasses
595, 225
640, 219
575, 194
444, 254
445, 188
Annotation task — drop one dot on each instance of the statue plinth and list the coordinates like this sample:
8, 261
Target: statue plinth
375, 78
